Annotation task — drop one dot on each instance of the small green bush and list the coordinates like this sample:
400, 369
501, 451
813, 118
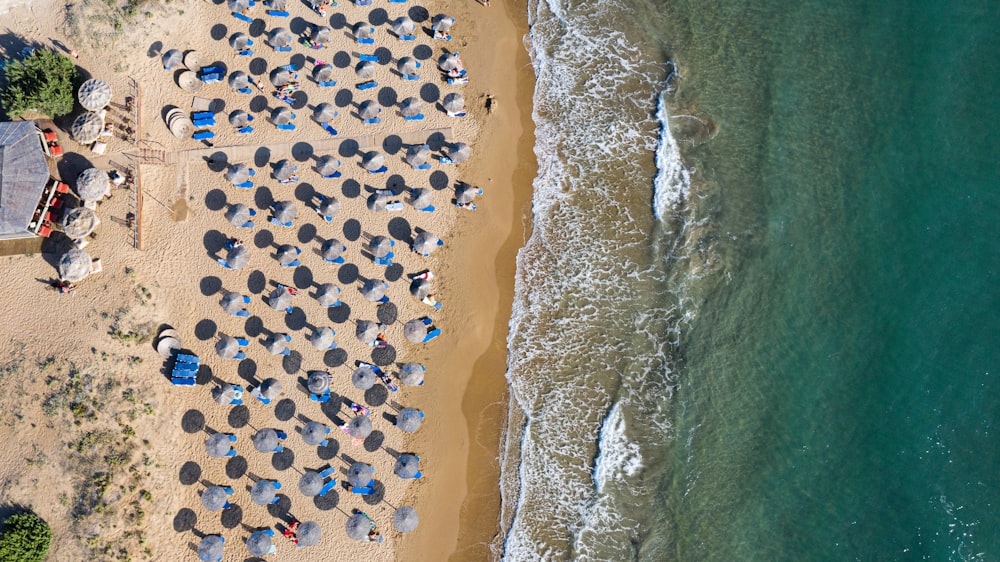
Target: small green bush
25, 538
42, 83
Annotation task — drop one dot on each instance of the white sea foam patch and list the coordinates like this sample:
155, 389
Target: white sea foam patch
673, 179
618, 457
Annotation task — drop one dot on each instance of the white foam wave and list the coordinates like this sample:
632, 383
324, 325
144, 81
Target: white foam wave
673, 179
618, 457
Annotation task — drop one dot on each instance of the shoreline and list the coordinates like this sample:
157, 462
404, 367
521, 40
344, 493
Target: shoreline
482, 287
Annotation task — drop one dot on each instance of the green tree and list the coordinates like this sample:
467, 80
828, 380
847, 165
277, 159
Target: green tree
25, 538
41, 83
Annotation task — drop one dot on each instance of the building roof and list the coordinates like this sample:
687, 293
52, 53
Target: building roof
23, 175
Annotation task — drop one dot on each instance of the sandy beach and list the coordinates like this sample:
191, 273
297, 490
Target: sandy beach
110, 453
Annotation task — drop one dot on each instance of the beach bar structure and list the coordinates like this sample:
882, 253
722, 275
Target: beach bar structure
26, 187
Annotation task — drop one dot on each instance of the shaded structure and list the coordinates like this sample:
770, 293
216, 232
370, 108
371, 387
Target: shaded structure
24, 175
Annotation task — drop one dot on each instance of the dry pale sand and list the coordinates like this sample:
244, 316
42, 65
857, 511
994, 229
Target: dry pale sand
102, 405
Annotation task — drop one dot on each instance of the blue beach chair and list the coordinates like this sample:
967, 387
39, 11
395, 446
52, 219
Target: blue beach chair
286, 127
381, 170
417, 117
411, 77
242, 17
277, 13
367, 85
203, 135
368, 58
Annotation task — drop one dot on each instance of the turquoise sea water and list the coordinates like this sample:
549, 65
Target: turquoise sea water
800, 361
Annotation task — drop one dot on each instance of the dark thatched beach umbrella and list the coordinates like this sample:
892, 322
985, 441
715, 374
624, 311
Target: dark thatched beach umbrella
327, 294
172, 59
327, 165
239, 118
363, 378
415, 331
323, 339
224, 394
412, 374
368, 109
238, 173
238, 6
93, 184
94, 94
281, 115
359, 427
417, 154
266, 440
407, 466
238, 257
227, 347
322, 73
358, 526
403, 25
449, 61
466, 193
321, 34
407, 65
270, 388
275, 344
314, 433
362, 30
421, 197
239, 80
279, 37
280, 76
359, 474
310, 483
214, 498
453, 103
411, 107
332, 249
211, 548
87, 127
329, 207
79, 222
324, 112
75, 265
318, 381
442, 22
238, 215
309, 533
409, 419
380, 246
263, 492
259, 543
284, 170
279, 299
405, 519
377, 202
366, 331
420, 288
458, 152
372, 160
284, 211
374, 289
218, 444
425, 243
239, 41
287, 253
364, 70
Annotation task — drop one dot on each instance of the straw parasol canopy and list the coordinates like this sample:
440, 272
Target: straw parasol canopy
319, 381
265, 440
287, 254
362, 30
359, 474
372, 160
405, 519
259, 543
425, 243
172, 59
442, 22
449, 61
284, 211
79, 222
166, 345
321, 34
453, 103
238, 257
284, 170
358, 526
420, 288
322, 338
360, 427
403, 25
279, 37
280, 76
410, 107
281, 115
92, 184
192, 60
407, 466
178, 123
363, 378
218, 444
466, 193
239, 80
409, 419
366, 331
87, 127
211, 548
279, 299
238, 173
277, 4
332, 248
276, 344
314, 433
407, 65
239, 118
415, 331
421, 197
364, 70
328, 294
75, 265
329, 207
227, 347
368, 109
458, 152
374, 289
377, 202
270, 388
263, 492
327, 165
309, 533
412, 374
232, 302
322, 73
380, 246
238, 6
224, 394
417, 154
239, 41
214, 498
238, 214
310, 484
94, 94
189, 81
324, 112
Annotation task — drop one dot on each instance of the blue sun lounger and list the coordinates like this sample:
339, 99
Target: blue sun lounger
427, 209
184, 366
386, 261
277, 13
294, 263
432, 334
335, 260
381, 170
363, 490
366, 41
279, 223
416, 117
332, 176
328, 128
325, 397
373, 121
367, 85
204, 122
244, 185
202, 135
424, 166
291, 68
368, 58
188, 358
411, 77
177, 381
242, 17
328, 472
327, 84
407, 37
286, 127
203, 115
245, 53
245, 130
285, 49
327, 487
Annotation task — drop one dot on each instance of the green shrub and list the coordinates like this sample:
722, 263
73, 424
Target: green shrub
25, 538
42, 83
